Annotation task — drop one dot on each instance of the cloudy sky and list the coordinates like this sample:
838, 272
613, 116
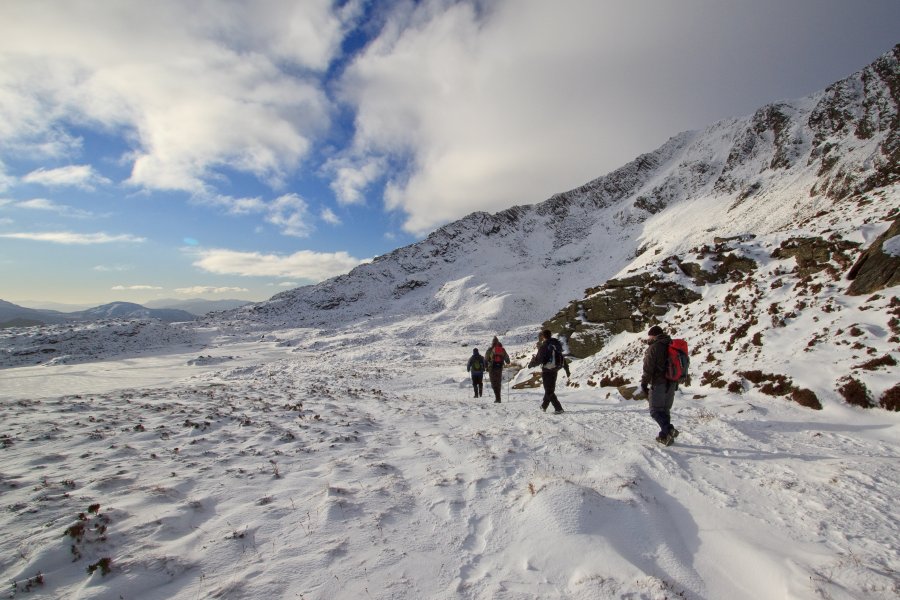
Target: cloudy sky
234, 149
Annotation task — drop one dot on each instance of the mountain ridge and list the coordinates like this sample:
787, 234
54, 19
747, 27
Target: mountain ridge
787, 164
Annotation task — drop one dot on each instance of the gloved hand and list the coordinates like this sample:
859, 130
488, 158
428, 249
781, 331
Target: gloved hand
646, 389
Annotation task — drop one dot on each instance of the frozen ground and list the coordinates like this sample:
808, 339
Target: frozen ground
357, 471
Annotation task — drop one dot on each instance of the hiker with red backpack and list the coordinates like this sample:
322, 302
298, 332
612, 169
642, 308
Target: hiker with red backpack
495, 358
476, 368
665, 366
550, 358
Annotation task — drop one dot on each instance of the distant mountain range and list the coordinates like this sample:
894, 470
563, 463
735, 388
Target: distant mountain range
197, 306
13, 315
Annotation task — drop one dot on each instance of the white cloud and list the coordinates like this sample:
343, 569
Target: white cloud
112, 268
233, 206
70, 238
351, 179
290, 214
195, 87
51, 206
329, 217
288, 284
305, 264
199, 290
81, 176
508, 102
135, 287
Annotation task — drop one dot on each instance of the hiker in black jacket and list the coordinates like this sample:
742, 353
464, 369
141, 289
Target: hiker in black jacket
476, 368
548, 345
659, 391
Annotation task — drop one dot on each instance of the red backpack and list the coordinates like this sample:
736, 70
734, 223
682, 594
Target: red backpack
497, 355
677, 361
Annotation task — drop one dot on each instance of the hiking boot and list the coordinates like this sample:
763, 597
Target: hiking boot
665, 440
496, 402
673, 433
544, 408
558, 411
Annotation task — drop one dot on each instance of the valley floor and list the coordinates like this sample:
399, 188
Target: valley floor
272, 471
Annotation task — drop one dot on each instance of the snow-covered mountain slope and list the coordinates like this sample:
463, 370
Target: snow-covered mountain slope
767, 172
769, 312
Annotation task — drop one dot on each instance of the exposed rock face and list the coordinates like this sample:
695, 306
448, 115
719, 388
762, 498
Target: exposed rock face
845, 113
876, 269
728, 266
629, 304
813, 254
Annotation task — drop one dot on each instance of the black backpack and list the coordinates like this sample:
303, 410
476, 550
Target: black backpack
556, 359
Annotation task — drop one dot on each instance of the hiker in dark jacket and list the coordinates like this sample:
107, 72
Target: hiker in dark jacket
476, 368
659, 391
495, 358
549, 371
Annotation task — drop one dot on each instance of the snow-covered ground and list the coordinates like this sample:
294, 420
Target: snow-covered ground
320, 467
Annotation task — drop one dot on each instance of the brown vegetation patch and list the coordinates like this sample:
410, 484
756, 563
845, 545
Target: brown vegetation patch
890, 400
780, 386
614, 381
807, 398
773, 384
756, 377
855, 392
711, 378
885, 361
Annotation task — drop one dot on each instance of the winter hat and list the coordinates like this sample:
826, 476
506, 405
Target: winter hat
654, 331
475, 351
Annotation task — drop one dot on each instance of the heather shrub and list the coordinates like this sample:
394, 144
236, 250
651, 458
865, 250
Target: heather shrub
885, 361
890, 400
807, 398
855, 392
616, 381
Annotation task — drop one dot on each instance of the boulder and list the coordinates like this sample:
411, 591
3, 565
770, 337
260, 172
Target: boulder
877, 269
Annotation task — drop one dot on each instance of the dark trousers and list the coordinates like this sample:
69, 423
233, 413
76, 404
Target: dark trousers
496, 382
662, 396
478, 384
548, 377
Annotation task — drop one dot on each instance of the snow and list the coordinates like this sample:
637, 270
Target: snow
380, 477
891, 246
325, 444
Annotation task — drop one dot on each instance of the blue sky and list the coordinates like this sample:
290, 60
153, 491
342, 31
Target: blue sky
227, 149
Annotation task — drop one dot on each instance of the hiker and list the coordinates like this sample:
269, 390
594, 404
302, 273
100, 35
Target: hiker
548, 350
495, 358
476, 368
660, 392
